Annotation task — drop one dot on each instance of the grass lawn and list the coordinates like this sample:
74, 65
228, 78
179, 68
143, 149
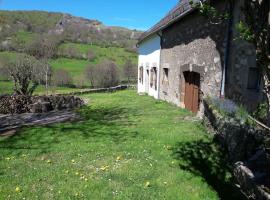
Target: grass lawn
127, 147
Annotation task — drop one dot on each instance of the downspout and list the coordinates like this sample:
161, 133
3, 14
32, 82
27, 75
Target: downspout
159, 68
227, 49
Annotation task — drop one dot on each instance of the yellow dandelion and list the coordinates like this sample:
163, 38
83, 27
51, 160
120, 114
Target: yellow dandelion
77, 173
105, 168
18, 189
86, 179
165, 183
118, 158
73, 161
49, 161
147, 184
173, 162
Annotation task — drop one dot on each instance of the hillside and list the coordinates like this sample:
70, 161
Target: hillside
17, 28
79, 44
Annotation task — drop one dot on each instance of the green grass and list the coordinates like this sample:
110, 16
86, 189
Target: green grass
6, 87
75, 67
23, 38
116, 54
127, 147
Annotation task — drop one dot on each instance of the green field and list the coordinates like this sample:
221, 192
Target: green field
77, 67
116, 54
126, 147
6, 87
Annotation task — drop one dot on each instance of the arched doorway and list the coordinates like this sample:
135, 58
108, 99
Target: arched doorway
192, 91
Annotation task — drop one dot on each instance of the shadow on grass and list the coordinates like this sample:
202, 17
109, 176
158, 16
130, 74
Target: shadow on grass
99, 123
205, 159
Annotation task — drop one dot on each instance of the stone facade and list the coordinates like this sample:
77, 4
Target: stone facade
242, 58
192, 44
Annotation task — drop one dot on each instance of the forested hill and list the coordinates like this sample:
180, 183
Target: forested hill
17, 28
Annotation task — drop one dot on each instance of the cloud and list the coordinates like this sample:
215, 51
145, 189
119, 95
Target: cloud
122, 19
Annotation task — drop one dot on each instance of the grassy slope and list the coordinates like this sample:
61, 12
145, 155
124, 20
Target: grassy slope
75, 67
124, 142
119, 55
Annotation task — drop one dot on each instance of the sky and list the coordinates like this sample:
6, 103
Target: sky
133, 14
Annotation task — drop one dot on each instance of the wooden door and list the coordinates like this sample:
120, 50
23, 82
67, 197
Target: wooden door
192, 90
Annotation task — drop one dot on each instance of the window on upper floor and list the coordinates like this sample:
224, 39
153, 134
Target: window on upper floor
254, 78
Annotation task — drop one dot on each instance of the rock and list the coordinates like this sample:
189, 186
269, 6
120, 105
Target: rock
41, 107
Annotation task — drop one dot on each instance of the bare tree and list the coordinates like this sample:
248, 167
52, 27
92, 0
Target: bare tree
44, 48
90, 74
129, 71
105, 74
23, 73
91, 55
108, 74
62, 78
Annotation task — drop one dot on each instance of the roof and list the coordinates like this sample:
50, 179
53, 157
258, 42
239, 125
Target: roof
178, 12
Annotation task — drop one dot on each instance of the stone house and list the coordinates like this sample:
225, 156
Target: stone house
185, 58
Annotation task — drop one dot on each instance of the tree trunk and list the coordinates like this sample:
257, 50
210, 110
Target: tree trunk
46, 79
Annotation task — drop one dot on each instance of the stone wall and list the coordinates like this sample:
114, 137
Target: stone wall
17, 104
242, 56
247, 150
192, 44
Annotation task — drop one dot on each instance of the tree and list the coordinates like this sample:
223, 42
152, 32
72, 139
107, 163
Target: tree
105, 74
44, 48
62, 78
23, 73
91, 55
129, 71
90, 74
255, 28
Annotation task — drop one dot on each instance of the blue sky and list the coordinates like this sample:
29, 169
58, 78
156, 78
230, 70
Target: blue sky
134, 14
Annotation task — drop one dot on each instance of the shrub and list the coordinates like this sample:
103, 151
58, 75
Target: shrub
227, 107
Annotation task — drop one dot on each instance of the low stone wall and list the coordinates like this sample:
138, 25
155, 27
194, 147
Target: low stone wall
247, 149
17, 104
100, 90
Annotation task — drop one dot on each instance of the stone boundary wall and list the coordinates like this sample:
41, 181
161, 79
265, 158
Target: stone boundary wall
100, 90
247, 151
